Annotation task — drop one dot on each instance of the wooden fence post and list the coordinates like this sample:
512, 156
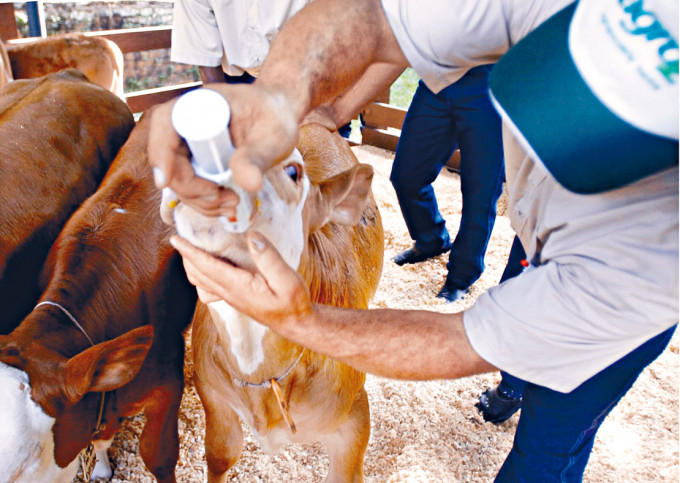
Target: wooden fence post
8, 25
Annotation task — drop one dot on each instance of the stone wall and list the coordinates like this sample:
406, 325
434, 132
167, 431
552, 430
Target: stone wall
143, 70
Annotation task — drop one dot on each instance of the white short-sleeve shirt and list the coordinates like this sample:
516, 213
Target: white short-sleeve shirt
603, 279
604, 274
233, 33
443, 39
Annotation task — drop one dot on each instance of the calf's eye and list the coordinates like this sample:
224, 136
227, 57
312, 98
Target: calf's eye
293, 171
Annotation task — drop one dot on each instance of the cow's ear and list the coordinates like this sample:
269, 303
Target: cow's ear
343, 197
109, 365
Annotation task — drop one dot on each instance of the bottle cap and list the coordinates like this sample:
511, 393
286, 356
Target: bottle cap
201, 117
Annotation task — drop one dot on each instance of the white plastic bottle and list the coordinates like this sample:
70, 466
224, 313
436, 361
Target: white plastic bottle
202, 117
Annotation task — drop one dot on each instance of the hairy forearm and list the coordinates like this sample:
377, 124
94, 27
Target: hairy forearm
415, 344
325, 48
377, 78
404, 344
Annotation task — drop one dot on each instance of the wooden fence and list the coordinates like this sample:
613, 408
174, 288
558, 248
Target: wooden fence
382, 121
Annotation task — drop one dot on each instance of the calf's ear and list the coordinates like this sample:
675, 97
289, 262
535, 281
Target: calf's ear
107, 366
342, 198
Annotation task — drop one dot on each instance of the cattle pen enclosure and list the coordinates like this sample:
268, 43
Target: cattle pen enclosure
420, 431
430, 432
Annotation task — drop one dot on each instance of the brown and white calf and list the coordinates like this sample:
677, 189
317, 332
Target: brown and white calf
58, 136
101, 60
319, 212
105, 341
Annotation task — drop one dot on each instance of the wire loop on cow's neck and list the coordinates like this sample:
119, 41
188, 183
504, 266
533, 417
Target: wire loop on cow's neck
268, 382
98, 428
273, 384
68, 314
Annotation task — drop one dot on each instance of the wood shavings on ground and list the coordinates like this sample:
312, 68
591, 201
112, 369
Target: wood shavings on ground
430, 431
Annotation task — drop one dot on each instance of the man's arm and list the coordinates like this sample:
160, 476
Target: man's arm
326, 48
377, 78
402, 344
316, 56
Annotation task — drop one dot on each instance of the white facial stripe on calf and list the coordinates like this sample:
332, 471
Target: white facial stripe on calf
26, 443
288, 234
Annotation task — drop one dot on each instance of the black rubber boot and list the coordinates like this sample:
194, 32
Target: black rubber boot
496, 407
452, 293
415, 255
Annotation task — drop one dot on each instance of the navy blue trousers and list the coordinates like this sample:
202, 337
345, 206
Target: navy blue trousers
510, 385
556, 431
244, 78
460, 115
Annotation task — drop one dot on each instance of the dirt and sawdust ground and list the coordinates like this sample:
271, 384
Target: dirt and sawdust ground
430, 431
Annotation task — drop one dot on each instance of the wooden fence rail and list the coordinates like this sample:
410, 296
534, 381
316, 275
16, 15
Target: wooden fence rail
382, 121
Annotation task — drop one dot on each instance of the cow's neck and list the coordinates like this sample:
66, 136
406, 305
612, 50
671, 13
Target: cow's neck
255, 349
246, 336
51, 324
257, 352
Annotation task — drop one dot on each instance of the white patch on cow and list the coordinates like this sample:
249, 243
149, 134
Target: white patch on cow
102, 468
245, 336
119, 210
285, 230
26, 443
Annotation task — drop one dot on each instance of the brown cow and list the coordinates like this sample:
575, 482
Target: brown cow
321, 216
105, 342
58, 136
99, 59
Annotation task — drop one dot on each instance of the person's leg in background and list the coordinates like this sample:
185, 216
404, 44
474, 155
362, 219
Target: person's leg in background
345, 130
556, 431
244, 78
428, 138
481, 176
516, 261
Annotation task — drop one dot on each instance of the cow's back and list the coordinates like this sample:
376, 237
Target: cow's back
117, 232
99, 59
58, 136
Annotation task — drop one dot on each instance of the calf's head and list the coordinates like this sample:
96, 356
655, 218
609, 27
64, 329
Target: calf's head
296, 199
47, 418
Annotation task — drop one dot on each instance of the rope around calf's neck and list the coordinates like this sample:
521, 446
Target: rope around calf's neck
99, 428
273, 383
